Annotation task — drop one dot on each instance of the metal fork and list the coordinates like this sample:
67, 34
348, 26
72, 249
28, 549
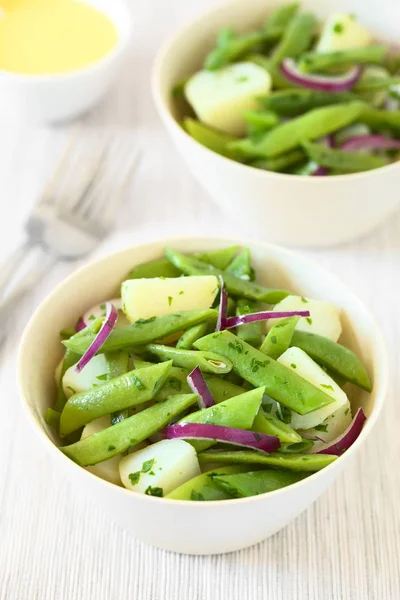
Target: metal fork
69, 224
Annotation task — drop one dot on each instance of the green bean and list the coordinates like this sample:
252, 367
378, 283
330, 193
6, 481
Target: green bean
279, 19
192, 334
243, 485
178, 91
231, 308
117, 364
232, 48
65, 334
219, 259
209, 362
392, 62
70, 359
125, 391
278, 80
335, 357
371, 84
234, 285
297, 448
202, 487
265, 423
250, 333
211, 138
294, 102
321, 61
260, 121
279, 337
314, 124
280, 163
52, 418
143, 331
381, 119
281, 384
241, 266
297, 38
154, 268
352, 162
116, 439
293, 462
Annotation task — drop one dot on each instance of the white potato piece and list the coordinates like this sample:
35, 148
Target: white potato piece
324, 317
219, 97
332, 427
341, 31
93, 374
108, 469
297, 360
146, 298
166, 465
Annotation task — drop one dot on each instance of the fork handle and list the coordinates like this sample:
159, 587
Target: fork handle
12, 263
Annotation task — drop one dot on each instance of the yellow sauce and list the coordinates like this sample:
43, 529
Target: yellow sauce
52, 36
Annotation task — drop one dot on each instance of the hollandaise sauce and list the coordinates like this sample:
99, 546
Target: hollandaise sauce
40, 37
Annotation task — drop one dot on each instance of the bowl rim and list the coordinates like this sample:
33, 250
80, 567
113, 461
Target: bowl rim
55, 451
168, 119
123, 40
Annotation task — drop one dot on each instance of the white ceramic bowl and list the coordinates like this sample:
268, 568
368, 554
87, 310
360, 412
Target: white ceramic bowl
294, 210
193, 527
36, 99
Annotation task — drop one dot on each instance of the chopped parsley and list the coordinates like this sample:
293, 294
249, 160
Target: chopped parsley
102, 306
151, 473
102, 377
196, 495
71, 388
154, 491
134, 477
267, 407
92, 318
286, 414
309, 320
242, 79
293, 366
140, 322
321, 427
181, 293
111, 448
327, 387
273, 339
170, 298
256, 364
236, 346
304, 300
338, 27
148, 465
346, 412
175, 383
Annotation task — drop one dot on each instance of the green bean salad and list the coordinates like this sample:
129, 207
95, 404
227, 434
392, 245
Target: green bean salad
200, 384
297, 96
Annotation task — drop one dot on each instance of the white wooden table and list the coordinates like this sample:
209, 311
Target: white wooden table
53, 544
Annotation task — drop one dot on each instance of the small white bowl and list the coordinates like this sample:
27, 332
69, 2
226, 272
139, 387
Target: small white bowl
193, 527
36, 99
289, 209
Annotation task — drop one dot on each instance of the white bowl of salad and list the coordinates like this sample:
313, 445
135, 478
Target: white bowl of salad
289, 114
203, 392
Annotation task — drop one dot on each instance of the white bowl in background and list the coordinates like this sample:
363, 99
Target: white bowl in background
193, 527
289, 209
53, 98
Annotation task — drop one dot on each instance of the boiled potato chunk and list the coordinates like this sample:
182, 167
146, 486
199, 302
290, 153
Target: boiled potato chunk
108, 469
342, 32
95, 373
159, 468
324, 317
146, 298
332, 427
220, 97
297, 360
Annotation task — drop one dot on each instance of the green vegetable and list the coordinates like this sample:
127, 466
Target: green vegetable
242, 485
297, 38
281, 384
143, 331
211, 138
241, 266
335, 357
70, 359
117, 364
160, 267
202, 487
380, 119
192, 334
372, 84
293, 102
279, 19
128, 390
52, 418
293, 462
67, 333
219, 259
322, 61
280, 163
260, 121
279, 337
251, 332
297, 448
234, 285
209, 362
231, 48
278, 80
351, 162
265, 423
131, 431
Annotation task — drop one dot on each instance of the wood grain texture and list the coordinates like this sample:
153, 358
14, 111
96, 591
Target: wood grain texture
53, 544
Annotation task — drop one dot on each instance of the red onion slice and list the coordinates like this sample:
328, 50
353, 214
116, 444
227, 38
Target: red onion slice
370, 142
96, 312
108, 325
319, 83
223, 306
347, 438
262, 316
320, 171
80, 325
227, 435
198, 385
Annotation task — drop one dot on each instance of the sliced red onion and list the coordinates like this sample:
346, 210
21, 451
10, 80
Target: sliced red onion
320, 171
370, 142
227, 435
319, 83
198, 385
96, 312
80, 325
262, 316
347, 438
108, 325
223, 306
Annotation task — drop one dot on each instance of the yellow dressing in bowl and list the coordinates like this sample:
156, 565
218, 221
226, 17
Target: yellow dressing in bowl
39, 37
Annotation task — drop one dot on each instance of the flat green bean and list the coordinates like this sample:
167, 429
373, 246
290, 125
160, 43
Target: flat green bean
279, 337
211, 138
67, 333
70, 359
265, 423
253, 483
294, 102
241, 266
293, 462
280, 163
371, 84
250, 333
281, 384
280, 18
116, 439
321, 61
234, 285
278, 80
117, 364
219, 259
160, 267
314, 124
232, 49
144, 331
297, 448
52, 418
379, 120
297, 37
202, 487
192, 334
209, 362
352, 162
260, 120
125, 391
334, 356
